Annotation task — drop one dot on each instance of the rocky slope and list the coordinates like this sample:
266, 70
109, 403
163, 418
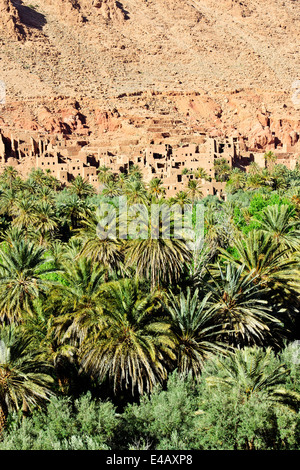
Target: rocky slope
147, 70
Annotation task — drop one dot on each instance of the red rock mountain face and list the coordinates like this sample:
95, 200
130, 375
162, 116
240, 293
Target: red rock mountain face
152, 70
10, 23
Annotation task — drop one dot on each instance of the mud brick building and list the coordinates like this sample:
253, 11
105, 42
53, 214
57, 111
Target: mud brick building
175, 165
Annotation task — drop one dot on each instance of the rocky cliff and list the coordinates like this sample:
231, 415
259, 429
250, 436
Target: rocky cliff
152, 70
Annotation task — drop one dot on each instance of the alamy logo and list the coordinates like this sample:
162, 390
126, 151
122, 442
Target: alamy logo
296, 352
140, 221
2, 93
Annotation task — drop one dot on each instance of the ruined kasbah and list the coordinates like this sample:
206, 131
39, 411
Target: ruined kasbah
66, 158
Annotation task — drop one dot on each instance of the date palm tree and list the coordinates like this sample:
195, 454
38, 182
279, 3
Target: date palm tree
254, 168
7, 201
251, 370
275, 268
46, 194
194, 190
155, 253
135, 191
135, 173
12, 234
104, 174
81, 188
279, 178
222, 169
46, 221
9, 176
121, 180
134, 347
268, 262
71, 250
196, 329
23, 212
77, 300
159, 260
237, 298
75, 308
71, 209
218, 227
156, 188
182, 198
200, 173
109, 252
270, 158
237, 180
111, 189
36, 180
23, 267
52, 182
296, 201
280, 222
25, 379
254, 181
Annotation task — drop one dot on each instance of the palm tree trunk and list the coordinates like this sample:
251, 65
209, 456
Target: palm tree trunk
250, 444
25, 409
3, 416
3, 404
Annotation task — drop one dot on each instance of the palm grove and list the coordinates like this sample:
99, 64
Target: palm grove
145, 343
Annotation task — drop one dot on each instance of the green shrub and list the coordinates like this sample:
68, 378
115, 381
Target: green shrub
167, 419
85, 424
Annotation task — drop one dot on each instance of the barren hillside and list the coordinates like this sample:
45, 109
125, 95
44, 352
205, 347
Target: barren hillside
120, 68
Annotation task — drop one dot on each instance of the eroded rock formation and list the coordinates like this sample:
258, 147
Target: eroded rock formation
10, 22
